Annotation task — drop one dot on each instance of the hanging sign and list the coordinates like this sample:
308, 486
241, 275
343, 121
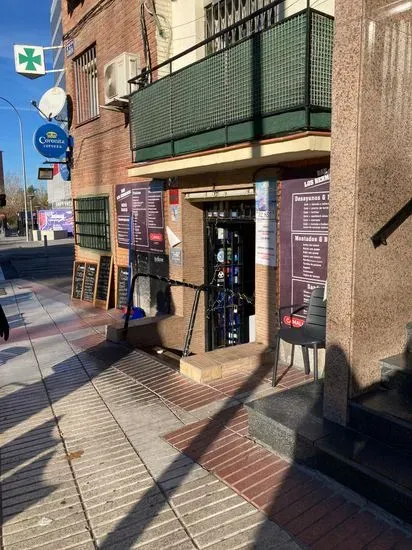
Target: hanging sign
29, 60
266, 223
51, 141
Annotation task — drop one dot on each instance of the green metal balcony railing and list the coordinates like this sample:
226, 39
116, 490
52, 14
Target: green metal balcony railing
274, 82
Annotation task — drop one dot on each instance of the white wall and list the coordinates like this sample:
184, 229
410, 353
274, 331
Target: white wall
184, 26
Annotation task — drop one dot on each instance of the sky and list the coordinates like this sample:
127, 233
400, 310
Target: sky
22, 22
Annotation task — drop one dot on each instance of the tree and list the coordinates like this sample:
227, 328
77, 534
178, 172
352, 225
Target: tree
14, 198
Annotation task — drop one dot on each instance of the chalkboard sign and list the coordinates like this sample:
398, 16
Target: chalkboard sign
89, 285
78, 278
104, 279
122, 286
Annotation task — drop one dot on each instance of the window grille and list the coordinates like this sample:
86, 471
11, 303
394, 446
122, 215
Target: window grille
221, 14
87, 93
92, 225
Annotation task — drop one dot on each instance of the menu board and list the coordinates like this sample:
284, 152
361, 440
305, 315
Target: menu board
78, 278
139, 208
122, 286
104, 279
89, 285
303, 238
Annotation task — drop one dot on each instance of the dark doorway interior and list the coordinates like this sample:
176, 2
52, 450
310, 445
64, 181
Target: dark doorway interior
230, 264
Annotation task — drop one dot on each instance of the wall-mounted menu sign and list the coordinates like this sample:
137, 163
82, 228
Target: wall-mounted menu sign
122, 286
104, 279
144, 203
78, 277
303, 226
89, 284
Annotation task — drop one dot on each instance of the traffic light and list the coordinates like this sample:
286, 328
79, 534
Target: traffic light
2, 199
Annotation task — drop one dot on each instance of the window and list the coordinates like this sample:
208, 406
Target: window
87, 93
221, 14
91, 221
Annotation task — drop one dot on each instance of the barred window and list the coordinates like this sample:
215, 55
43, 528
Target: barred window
221, 14
87, 93
91, 222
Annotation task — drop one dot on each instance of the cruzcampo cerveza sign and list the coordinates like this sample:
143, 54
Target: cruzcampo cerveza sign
51, 141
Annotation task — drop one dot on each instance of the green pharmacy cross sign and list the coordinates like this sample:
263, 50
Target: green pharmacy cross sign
29, 60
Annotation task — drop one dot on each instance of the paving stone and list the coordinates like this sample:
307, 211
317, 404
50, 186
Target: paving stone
229, 521
263, 535
161, 536
232, 501
50, 541
137, 523
151, 498
40, 527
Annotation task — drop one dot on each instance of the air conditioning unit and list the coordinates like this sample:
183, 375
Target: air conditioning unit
116, 75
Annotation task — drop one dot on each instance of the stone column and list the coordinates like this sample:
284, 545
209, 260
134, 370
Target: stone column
369, 290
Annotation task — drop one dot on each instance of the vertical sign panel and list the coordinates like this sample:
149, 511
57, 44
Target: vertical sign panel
303, 226
266, 222
144, 202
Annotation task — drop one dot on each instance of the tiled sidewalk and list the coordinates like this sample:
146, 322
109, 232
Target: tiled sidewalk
105, 447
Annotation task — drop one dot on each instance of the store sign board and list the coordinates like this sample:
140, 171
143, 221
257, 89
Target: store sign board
51, 141
144, 202
266, 222
303, 240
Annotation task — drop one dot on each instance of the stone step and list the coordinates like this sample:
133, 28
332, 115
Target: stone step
385, 415
372, 469
291, 422
396, 371
213, 365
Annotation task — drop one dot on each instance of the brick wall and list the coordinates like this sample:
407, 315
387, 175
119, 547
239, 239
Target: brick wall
102, 146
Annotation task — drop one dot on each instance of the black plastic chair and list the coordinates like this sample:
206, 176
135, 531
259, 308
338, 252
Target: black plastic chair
311, 335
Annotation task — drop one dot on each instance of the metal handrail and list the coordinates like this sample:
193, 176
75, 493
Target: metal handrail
174, 282
379, 238
206, 41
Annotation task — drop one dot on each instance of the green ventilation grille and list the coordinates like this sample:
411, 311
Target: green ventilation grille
321, 60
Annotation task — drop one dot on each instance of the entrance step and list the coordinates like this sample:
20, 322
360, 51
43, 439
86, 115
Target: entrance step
375, 460
385, 415
213, 365
373, 469
291, 422
396, 371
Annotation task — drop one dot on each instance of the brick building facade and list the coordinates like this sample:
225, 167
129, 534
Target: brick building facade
101, 154
205, 134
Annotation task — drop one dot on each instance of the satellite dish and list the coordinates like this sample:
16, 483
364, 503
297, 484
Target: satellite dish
52, 103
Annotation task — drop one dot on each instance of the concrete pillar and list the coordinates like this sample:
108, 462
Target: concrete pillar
369, 290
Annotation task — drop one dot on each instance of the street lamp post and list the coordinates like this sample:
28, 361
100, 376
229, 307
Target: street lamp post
23, 162
31, 197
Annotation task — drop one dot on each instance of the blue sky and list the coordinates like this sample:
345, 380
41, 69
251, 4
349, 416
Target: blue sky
22, 22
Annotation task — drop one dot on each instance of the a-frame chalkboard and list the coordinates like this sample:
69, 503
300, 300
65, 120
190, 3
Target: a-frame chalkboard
89, 283
104, 281
78, 280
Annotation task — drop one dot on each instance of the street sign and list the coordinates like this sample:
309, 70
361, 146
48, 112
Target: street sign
51, 141
29, 60
69, 48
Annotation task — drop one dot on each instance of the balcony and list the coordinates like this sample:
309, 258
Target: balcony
276, 82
